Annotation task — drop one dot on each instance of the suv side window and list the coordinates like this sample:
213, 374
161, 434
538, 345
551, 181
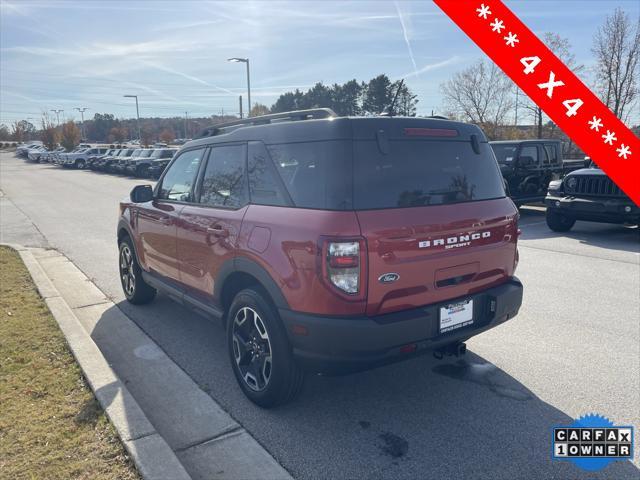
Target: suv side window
530, 151
552, 153
167, 153
543, 155
180, 177
265, 186
224, 183
316, 174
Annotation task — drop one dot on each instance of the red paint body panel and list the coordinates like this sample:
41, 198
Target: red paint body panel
206, 238
393, 238
156, 225
292, 256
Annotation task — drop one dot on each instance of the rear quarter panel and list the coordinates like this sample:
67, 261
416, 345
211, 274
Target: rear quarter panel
284, 241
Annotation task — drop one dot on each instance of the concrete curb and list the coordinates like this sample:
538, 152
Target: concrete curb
169, 425
151, 454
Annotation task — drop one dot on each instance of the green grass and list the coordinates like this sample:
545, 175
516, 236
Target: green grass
51, 426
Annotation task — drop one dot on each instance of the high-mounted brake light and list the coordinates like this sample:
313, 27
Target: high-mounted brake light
430, 132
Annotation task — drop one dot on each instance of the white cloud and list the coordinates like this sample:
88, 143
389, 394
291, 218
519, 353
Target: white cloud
433, 66
405, 34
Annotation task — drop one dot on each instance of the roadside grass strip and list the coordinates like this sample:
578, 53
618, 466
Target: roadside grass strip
51, 425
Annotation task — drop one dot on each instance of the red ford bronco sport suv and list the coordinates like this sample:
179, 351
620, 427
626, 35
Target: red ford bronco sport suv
325, 242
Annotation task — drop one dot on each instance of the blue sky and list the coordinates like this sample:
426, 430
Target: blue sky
64, 54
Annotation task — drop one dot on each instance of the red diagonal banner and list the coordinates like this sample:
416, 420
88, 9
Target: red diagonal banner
552, 86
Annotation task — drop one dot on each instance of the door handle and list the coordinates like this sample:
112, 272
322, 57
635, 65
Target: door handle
218, 231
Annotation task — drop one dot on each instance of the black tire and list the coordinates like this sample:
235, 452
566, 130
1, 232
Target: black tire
559, 222
135, 289
80, 163
142, 171
264, 367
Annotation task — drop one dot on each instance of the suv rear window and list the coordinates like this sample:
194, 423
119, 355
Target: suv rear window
423, 172
345, 175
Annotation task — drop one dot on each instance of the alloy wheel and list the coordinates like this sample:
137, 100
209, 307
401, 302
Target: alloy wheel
127, 275
252, 348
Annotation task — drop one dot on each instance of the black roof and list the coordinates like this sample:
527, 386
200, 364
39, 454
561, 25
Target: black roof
532, 140
333, 128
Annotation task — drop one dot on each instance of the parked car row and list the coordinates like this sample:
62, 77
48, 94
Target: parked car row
22, 150
139, 162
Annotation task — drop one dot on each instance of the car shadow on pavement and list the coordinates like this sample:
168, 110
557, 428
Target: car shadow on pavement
603, 235
452, 418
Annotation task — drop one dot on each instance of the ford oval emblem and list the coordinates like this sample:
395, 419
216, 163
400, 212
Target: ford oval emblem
388, 277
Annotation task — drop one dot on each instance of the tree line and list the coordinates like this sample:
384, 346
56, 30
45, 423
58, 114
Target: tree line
106, 128
378, 95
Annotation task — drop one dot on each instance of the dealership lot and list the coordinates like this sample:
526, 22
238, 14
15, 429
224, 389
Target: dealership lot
574, 349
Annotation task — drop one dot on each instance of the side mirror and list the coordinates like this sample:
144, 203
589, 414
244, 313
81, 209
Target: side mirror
525, 162
141, 194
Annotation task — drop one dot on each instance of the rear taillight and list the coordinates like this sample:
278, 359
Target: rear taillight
344, 265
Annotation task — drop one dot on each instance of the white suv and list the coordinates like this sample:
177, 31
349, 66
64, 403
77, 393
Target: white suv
79, 159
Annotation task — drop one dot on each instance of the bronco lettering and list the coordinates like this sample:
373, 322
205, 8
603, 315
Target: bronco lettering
455, 241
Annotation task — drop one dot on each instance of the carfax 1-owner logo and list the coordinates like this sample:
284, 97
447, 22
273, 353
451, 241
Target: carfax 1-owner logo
592, 442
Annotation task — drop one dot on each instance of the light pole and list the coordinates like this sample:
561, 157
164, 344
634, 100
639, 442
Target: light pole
57, 112
82, 110
196, 123
246, 61
137, 115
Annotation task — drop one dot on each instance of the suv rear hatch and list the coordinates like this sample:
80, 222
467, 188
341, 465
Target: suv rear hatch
432, 209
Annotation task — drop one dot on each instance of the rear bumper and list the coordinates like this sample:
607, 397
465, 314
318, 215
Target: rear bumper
334, 344
609, 210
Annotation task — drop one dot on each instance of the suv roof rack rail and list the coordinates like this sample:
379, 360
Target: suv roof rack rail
311, 114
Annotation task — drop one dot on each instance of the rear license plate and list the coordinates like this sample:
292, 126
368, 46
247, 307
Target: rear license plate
456, 315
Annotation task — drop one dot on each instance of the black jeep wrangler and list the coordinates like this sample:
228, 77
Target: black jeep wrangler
528, 166
588, 194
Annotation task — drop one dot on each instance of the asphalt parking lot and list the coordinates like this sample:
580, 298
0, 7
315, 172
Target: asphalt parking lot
574, 349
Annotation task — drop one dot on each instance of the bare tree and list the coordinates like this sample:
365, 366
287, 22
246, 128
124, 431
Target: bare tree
167, 136
49, 133
259, 109
70, 136
479, 94
147, 136
616, 47
22, 130
562, 49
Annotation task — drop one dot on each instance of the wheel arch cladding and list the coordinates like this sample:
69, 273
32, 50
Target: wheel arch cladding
124, 231
240, 273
